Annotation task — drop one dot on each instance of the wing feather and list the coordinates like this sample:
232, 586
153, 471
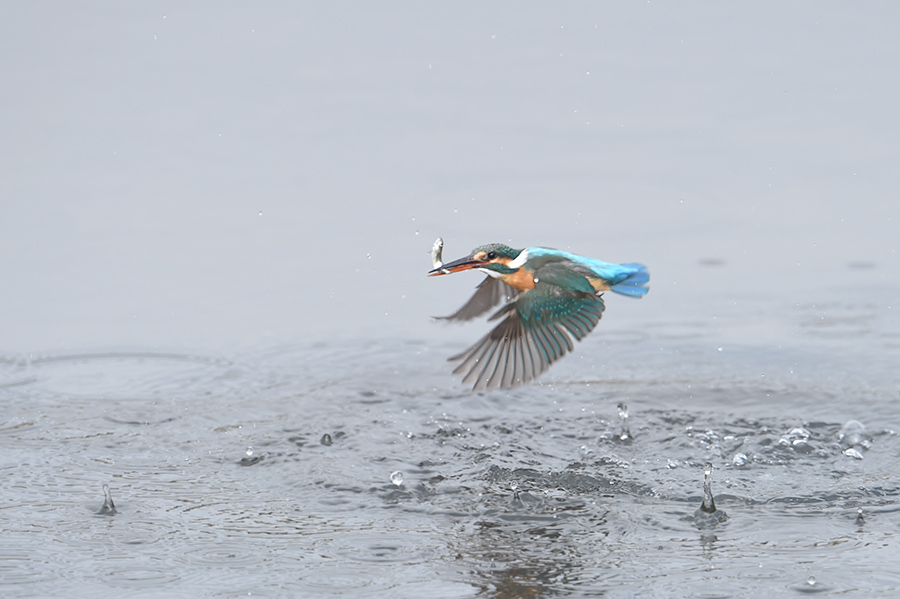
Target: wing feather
540, 327
490, 292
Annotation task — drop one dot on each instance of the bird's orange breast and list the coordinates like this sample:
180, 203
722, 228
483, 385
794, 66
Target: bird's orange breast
522, 280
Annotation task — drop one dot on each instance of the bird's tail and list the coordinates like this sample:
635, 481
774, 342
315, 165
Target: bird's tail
635, 281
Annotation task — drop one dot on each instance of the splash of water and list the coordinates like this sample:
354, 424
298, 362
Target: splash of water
109, 507
709, 504
624, 432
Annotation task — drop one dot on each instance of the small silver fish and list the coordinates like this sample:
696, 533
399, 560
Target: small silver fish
436, 250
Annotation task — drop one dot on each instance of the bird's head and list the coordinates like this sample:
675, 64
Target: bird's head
493, 256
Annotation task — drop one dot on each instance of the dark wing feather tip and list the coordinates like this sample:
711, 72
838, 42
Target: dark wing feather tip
489, 293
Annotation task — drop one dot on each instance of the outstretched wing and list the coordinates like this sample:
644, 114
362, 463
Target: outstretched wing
490, 293
538, 329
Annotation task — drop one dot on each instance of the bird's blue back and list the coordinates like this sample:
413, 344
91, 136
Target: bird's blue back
627, 279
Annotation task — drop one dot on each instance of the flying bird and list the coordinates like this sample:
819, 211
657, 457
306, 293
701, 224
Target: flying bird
550, 298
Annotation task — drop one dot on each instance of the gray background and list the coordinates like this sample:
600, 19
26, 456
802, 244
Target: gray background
218, 174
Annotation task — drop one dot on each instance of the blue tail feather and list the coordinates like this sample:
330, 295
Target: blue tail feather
636, 276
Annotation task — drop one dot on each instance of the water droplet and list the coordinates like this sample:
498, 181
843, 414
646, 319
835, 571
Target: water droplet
797, 438
852, 433
514, 485
260, 212
811, 581
740, 459
852, 453
249, 451
798, 433
801, 446
397, 477
368, 256
326, 440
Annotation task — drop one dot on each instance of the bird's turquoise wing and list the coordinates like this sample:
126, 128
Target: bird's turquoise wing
539, 328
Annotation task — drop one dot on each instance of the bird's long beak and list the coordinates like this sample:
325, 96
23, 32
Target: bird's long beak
466, 263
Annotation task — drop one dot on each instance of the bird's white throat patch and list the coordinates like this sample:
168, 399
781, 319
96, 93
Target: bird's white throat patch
520, 260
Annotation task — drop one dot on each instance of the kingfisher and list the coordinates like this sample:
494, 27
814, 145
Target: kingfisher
550, 298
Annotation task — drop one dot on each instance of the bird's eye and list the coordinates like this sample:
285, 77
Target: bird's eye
491, 255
